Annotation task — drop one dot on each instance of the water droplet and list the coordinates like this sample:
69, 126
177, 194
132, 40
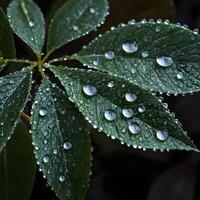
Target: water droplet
130, 97
165, 61
110, 115
89, 90
43, 112
141, 109
130, 47
67, 145
75, 27
145, 54
45, 159
179, 75
127, 112
61, 178
92, 10
31, 24
110, 55
110, 84
95, 62
162, 135
134, 128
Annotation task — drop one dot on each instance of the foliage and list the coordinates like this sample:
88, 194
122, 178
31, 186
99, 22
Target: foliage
114, 95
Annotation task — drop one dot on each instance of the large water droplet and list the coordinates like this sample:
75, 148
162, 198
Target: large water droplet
162, 135
130, 97
127, 112
130, 47
89, 90
67, 145
43, 112
110, 55
165, 61
134, 128
61, 178
45, 159
110, 115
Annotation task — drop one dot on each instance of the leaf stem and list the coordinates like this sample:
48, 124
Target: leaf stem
17, 61
65, 58
25, 116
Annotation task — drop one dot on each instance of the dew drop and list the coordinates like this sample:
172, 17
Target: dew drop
162, 135
75, 28
89, 90
134, 128
130, 97
141, 109
92, 10
67, 145
145, 54
130, 47
31, 24
110, 115
164, 61
45, 159
61, 178
95, 62
179, 75
43, 112
110, 84
127, 112
110, 55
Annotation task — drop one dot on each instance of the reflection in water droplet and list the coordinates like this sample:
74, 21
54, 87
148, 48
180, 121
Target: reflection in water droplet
130, 97
89, 90
67, 145
165, 61
130, 47
162, 135
127, 112
110, 55
134, 128
43, 112
110, 115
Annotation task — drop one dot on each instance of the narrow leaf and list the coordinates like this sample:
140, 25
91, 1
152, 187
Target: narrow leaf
7, 47
154, 56
75, 19
14, 90
17, 166
62, 146
122, 110
28, 23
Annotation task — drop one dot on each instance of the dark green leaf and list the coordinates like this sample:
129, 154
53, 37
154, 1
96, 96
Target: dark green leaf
17, 166
14, 90
62, 146
122, 110
75, 19
27, 22
148, 42
7, 47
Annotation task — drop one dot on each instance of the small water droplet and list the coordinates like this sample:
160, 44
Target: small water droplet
130, 97
67, 145
110, 115
130, 47
127, 112
179, 75
75, 27
110, 55
92, 10
165, 61
145, 54
61, 178
89, 90
110, 84
43, 112
141, 109
134, 128
31, 24
95, 62
45, 159
162, 135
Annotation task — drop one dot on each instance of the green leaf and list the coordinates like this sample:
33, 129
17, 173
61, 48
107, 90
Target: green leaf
75, 19
149, 42
62, 146
28, 23
122, 110
7, 46
14, 91
17, 166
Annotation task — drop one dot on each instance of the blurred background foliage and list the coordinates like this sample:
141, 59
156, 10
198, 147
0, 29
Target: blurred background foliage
119, 172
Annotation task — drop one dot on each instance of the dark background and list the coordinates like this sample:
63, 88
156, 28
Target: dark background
122, 173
